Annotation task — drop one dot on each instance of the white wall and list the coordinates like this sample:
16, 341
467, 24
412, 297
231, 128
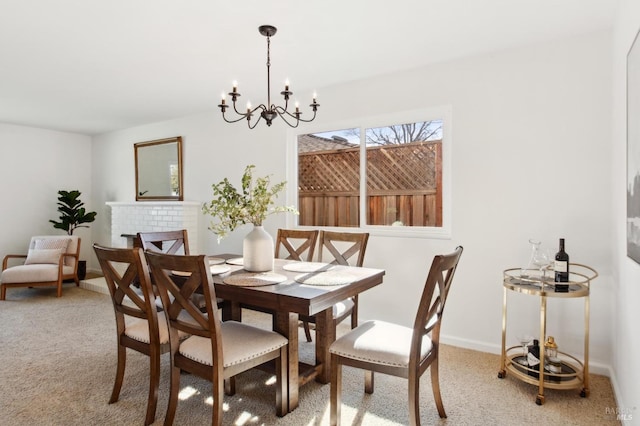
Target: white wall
36, 164
532, 158
531, 147
626, 316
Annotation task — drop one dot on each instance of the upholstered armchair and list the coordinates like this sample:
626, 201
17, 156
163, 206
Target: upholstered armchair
51, 259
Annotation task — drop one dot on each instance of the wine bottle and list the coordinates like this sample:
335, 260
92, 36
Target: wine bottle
533, 358
561, 265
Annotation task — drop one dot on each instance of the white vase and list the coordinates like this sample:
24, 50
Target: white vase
257, 250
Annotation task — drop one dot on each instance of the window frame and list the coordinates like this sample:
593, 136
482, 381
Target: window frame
442, 112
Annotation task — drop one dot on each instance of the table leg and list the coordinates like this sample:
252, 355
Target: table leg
286, 323
325, 336
231, 311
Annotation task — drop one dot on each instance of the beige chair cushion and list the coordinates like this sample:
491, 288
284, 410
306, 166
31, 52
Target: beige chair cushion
342, 307
42, 256
379, 342
30, 273
240, 342
138, 329
52, 243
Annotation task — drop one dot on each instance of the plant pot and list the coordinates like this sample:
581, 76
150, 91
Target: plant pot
257, 250
82, 269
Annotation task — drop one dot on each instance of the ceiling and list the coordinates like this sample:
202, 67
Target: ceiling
92, 66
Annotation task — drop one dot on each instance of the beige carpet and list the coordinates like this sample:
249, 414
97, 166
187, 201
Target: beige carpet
57, 365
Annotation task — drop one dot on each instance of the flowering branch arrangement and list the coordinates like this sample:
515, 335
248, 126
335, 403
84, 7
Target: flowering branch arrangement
252, 204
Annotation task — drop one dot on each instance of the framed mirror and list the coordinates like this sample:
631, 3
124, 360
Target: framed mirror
159, 170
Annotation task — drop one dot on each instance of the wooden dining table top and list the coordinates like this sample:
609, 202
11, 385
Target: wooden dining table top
293, 296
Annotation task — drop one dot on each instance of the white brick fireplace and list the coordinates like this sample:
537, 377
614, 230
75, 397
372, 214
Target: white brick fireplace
129, 218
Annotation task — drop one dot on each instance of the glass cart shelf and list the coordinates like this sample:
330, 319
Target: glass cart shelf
574, 373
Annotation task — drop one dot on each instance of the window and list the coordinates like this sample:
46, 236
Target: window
389, 174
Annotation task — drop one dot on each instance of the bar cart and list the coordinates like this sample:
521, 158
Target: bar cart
570, 373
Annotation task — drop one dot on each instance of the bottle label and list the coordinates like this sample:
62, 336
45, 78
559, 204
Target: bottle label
532, 360
561, 266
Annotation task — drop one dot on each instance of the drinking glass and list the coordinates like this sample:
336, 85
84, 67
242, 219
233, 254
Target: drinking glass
535, 246
524, 340
542, 258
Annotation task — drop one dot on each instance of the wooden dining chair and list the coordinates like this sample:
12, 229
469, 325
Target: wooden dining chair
345, 248
139, 326
215, 350
398, 350
296, 244
169, 242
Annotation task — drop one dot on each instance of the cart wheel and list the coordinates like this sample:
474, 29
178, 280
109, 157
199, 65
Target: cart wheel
502, 374
539, 400
584, 393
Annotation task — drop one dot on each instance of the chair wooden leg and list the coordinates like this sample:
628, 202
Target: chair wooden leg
282, 394
174, 387
59, 291
307, 330
218, 392
3, 292
435, 384
368, 381
117, 385
154, 382
414, 399
230, 386
336, 390
354, 313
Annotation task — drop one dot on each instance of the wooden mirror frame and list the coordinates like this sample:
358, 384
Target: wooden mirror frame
152, 169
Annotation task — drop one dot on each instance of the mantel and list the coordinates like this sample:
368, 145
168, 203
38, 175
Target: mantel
153, 203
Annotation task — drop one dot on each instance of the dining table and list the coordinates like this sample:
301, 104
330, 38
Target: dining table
291, 289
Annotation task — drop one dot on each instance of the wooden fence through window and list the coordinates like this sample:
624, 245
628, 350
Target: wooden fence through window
404, 184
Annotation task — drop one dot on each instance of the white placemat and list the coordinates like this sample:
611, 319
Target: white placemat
328, 278
307, 266
236, 261
216, 260
219, 269
255, 279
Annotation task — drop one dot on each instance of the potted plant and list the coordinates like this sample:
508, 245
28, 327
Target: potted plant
251, 204
73, 215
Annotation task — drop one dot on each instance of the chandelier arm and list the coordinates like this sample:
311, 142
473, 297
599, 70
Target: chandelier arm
242, 117
281, 111
283, 115
254, 124
309, 120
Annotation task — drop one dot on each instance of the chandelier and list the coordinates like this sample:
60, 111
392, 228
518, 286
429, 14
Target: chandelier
269, 111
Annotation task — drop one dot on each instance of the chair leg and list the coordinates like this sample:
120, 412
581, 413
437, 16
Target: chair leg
414, 399
117, 385
230, 386
354, 313
282, 393
218, 392
336, 390
3, 292
174, 387
307, 330
435, 384
154, 382
59, 291
368, 381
